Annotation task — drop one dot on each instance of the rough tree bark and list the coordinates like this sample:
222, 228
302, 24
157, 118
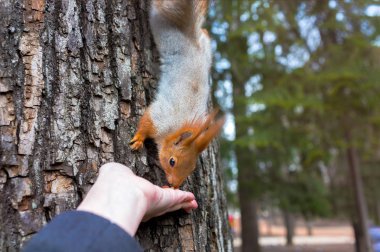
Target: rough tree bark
75, 76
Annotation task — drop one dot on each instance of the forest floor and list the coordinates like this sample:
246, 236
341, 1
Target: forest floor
306, 248
327, 236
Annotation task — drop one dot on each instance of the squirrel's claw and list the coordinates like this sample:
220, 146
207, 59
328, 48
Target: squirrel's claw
136, 145
137, 142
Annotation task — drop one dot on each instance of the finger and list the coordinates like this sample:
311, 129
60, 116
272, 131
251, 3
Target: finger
193, 205
187, 206
114, 167
177, 196
169, 197
167, 200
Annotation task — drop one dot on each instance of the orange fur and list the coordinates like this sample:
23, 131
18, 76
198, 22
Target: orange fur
179, 150
205, 32
145, 130
201, 7
205, 138
185, 145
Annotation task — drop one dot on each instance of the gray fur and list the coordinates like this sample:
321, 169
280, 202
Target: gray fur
184, 84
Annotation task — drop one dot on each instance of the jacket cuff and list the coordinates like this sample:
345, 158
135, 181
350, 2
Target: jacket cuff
81, 231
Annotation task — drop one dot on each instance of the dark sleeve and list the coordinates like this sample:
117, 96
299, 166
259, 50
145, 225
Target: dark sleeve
79, 231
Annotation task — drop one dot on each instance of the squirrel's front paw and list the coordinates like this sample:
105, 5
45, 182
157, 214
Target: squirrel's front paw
137, 142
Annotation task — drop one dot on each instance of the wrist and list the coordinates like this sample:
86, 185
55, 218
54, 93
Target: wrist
114, 198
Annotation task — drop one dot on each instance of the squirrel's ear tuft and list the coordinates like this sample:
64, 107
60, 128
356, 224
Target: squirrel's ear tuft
182, 137
202, 141
201, 127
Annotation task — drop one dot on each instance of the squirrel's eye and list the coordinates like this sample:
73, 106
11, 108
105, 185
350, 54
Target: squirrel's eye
172, 162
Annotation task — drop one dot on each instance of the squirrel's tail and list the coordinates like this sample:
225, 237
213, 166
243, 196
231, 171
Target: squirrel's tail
187, 16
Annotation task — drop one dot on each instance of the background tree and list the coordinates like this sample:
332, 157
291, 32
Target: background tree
75, 76
303, 78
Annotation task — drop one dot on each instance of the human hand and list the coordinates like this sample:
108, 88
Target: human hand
126, 199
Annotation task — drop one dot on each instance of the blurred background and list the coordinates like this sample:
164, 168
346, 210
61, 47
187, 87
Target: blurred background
299, 81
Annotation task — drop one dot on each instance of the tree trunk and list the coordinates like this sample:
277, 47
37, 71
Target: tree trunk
357, 235
246, 170
309, 227
377, 209
249, 224
270, 221
360, 202
75, 76
289, 225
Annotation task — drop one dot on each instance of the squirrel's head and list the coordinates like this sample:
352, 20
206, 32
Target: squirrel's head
179, 151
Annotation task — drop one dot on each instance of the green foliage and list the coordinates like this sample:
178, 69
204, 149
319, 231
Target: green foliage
304, 194
317, 69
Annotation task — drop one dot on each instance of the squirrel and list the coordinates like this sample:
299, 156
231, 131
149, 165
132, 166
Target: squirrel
177, 119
